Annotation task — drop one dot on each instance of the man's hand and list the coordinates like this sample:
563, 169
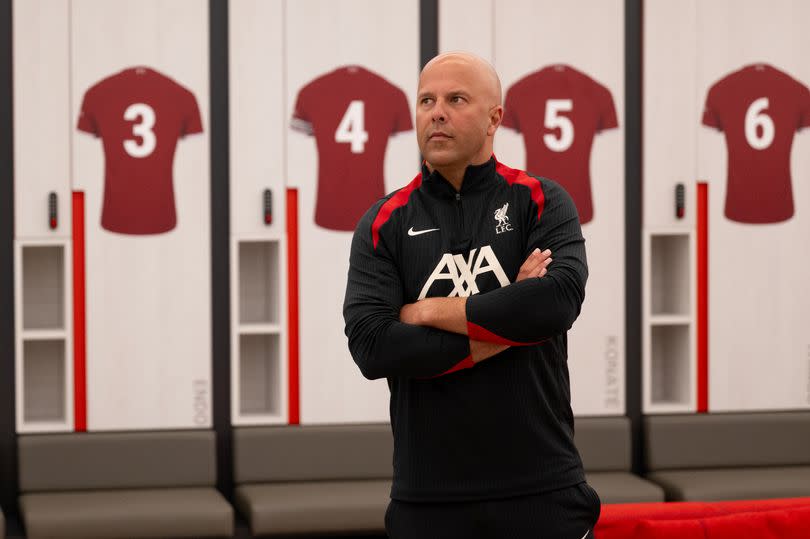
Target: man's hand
481, 350
535, 265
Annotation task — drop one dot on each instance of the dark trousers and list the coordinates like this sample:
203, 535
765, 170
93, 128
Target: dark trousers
568, 513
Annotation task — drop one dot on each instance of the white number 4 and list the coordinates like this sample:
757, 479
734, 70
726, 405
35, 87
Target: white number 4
351, 128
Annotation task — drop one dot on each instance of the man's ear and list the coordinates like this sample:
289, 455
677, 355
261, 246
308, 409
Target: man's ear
495, 119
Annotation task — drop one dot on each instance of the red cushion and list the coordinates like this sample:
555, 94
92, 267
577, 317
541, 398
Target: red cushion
752, 519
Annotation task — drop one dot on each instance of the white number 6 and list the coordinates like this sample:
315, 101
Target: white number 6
755, 117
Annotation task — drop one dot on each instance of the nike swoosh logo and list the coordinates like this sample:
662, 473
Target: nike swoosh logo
412, 232
586, 534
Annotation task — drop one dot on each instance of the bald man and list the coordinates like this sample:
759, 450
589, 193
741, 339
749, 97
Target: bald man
461, 288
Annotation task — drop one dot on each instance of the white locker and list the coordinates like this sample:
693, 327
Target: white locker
520, 38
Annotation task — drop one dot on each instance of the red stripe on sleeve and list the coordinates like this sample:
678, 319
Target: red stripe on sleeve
466, 363
399, 199
478, 333
513, 176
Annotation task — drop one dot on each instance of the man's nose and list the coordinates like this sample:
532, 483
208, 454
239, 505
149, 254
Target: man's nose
438, 112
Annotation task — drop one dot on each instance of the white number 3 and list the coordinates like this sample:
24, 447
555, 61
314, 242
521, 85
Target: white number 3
351, 128
142, 129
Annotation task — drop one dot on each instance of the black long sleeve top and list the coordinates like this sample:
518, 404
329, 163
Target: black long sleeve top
464, 431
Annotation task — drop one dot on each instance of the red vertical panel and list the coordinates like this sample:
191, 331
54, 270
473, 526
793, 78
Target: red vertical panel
292, 306
79, 323
703, 298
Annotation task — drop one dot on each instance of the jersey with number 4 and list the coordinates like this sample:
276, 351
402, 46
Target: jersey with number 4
759, 109
351, 112
559, 110
139, 114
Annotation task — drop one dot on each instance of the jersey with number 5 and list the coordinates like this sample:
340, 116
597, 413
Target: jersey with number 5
559, 110
351, 112
139, 114
759, 109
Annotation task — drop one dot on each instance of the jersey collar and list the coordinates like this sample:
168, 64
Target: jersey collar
476, 178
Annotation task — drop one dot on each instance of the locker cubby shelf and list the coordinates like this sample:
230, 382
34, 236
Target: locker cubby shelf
670, 364
669, 321
259, 360
43, 287
258, 282
44, 381
44, 358
259, 340
670, 276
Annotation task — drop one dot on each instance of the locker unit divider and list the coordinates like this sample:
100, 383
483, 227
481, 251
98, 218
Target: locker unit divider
44, 343
258, 340
669, 321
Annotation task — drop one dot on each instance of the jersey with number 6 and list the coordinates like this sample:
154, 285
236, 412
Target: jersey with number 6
351, 112
759, 109
559, 110
139, 114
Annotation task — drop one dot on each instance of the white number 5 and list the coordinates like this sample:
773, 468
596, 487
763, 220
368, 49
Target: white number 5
351, 128
553, 120
142, 129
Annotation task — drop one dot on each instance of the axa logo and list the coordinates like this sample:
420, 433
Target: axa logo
503, 220
464, 272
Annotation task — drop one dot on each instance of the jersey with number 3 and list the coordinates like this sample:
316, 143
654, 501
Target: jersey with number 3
351, 112
559, 110
139, 114
759, 109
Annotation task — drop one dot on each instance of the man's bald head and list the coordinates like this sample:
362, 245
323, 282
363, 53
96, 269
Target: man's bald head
482, 70
458, 111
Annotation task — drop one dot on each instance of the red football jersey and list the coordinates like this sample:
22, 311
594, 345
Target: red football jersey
559, 110
759, 108
139, 114
352, 112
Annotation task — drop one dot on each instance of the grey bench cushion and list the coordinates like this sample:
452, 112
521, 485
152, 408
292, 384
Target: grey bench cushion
193, 512
735, 483
82, 461
603, 443
315, 506
299, 453
624, 487
727, 440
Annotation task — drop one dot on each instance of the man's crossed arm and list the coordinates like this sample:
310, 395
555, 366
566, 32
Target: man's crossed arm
449, 314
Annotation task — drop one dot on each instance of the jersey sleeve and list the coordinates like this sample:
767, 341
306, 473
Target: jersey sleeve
402, 114
533, 310
510, 118
711, 114
607, 110
804, 108
192, 123
301, 120
87, 117
381, 345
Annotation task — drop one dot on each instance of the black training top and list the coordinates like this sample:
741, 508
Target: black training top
502, 427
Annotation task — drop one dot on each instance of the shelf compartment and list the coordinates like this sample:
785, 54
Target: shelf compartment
259, 374
670, 286
44, 381
43, 287
259, 282
670, 364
